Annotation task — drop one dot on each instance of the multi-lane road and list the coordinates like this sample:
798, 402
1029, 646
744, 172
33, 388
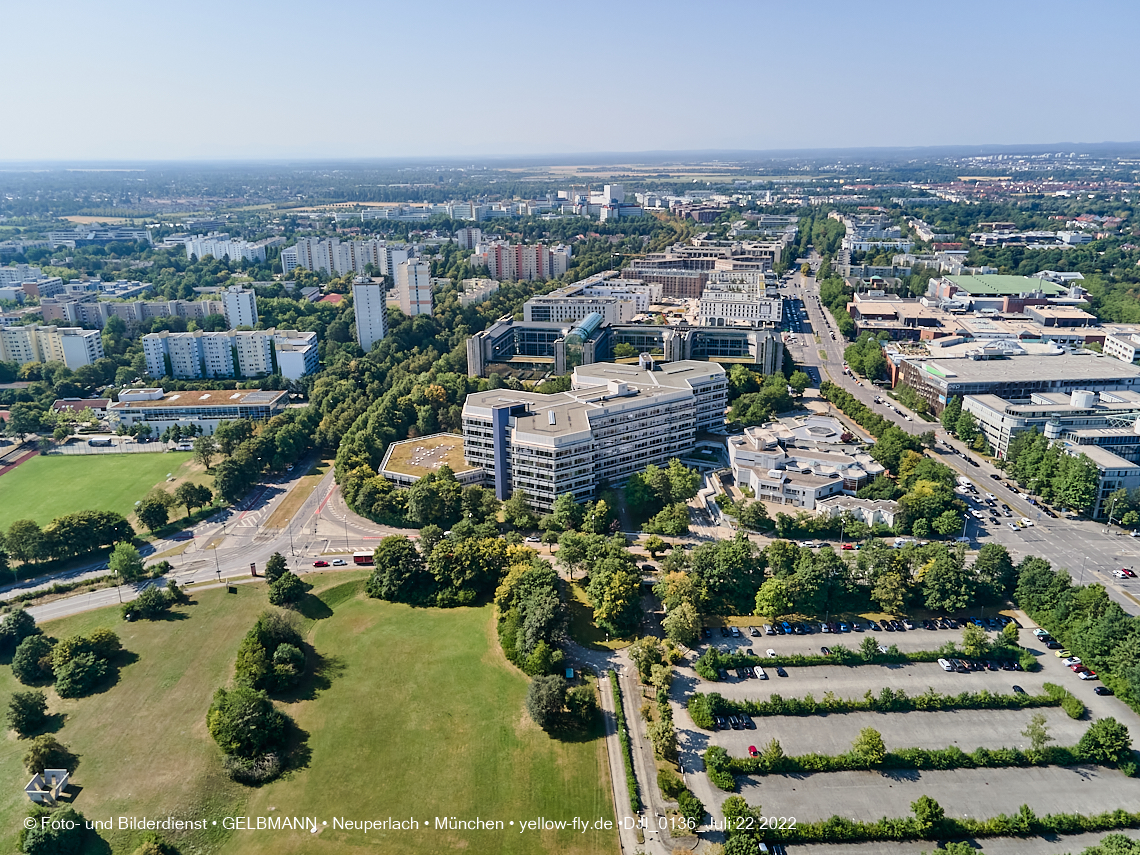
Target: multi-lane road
1089, 551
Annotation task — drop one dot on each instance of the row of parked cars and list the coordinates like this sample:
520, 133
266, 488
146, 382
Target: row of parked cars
800, 627
965, 666
737, 721
1073, 663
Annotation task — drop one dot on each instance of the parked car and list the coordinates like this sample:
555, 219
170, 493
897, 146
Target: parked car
945, 665
1054, 645
844, 627
826, 651
874, 626
706, 632
780, 672
787, 627
770, 652
848, 546
1017, 690
752, 751
723, 673
1072, 660
856, 626
533, 539
758, 673
339, 562
724, 632
753, 631
1063, 654
1087, 675
1103, 690
735, 632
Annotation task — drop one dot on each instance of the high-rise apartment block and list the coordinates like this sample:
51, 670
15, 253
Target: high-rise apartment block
72, 346
506, 261
233, 353
413, 283
240, 307
370, 306
339, 259
469, 238
222, 246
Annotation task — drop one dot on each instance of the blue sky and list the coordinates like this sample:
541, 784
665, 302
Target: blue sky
256, 79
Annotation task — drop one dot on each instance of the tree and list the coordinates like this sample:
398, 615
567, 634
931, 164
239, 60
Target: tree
868, 747
772, 599
66, 834
153, 513
275, 567
951, 412
966, 428
27, 712
616, 599
683, 624
193, 495
975, 642
244, 722
25, 541
645, 653
799, 381
582, 705
400, 574
1106, 741
869, 647
672, 520
15, 627
205, 450
995, 573
1011, 634
46, 752
890, 591
287, 590
947, 584
947, 523
545, 700
518, 512
31, 663
125, 562
80, 675
654, 545
1037, 732
151, 603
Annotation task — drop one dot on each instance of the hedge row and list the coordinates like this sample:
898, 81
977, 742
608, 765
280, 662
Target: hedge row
713, 658
924, 759
1024, 823
626, 749
888, 700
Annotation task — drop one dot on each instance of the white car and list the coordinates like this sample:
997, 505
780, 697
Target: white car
1087, 675
1026, 521
1072, 660
533, 539
1039, 632
1119, 574
945, 664
339, 562
760, 675
1012, 526
770, 652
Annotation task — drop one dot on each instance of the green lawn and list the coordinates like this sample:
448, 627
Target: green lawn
420, 717
47, 487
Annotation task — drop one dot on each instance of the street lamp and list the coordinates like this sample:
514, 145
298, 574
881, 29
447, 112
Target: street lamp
1111, 505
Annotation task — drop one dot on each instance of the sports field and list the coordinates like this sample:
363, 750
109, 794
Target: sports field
418, 715
47, 487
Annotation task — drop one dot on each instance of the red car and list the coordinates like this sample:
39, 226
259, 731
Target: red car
848, 546
1130, 574
320, 563
752, 750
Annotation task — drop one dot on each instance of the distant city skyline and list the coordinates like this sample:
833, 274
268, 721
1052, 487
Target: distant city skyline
127, 82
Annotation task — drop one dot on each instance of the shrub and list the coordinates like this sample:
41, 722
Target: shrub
255, 770
669, 783
1106, 741
691, 808
626, 750
104, 643
287, 590
582, 706
65, 835
700, 711
153, 844
545, 700
80, 675
151, 603
275, 567
46, 752
257, 666
1029, 662
717, 764
245, 723
16, 626
32, 662
27, 712
1073, 707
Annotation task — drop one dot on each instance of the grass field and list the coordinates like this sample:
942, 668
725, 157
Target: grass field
48, 487
416, 715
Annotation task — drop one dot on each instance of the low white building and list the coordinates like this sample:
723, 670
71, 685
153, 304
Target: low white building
869, 511
206, 409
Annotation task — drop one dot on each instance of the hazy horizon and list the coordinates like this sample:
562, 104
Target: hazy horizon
359, 80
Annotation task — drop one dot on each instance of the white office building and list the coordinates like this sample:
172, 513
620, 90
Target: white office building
18, 274
469, 238
233, 353
370, 307
413, 283
206, 409
615, 421
239, 306
740, 298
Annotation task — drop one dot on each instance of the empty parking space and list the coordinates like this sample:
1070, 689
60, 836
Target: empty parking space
968, 729
963, 792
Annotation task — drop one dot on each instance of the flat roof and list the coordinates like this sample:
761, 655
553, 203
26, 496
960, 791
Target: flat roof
1065, 367
426, 454
208, 398
1001, 285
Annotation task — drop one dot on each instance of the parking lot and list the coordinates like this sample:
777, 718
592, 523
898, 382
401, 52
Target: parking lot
962, 792
968, 729
871, 795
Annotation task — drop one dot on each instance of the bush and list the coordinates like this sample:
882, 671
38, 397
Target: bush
151, 603
153, 844
1106, 741
46, 752
245, 723
1073, 707
691, 808
104, 643
717, 764
27, 712
32, 662
669, 783
1029, 662
701, 711
275, 567
257, 665
287, 590
65, 835
626, 750
545, 700
16, 626
80, 675
255, 770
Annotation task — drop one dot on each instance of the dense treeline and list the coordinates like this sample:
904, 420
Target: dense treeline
1048, 471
